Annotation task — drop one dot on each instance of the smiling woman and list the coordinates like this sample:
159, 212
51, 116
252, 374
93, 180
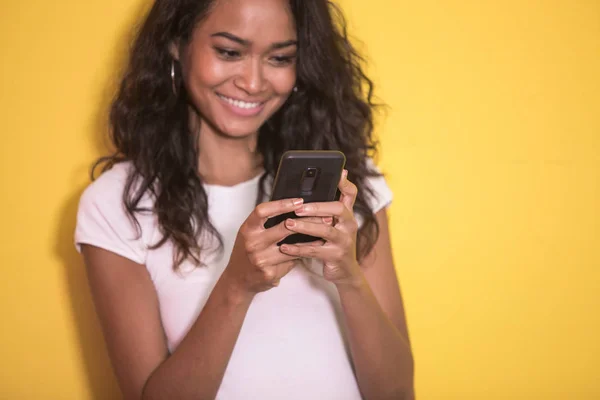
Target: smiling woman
195, 297
239, 67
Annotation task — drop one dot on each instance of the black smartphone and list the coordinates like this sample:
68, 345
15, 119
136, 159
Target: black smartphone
309, 174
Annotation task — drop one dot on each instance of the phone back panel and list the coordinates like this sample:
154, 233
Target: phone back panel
293, 180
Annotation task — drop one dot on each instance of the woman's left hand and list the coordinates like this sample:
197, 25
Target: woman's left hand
339, 230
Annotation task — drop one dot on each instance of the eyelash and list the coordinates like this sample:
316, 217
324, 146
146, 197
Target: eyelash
283, 60
227, 54
233, 55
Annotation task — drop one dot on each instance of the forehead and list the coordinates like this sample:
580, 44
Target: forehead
264, 20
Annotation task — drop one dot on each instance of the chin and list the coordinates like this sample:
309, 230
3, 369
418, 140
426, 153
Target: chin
239, 131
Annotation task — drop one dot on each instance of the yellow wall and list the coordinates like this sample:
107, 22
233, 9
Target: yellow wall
492, 146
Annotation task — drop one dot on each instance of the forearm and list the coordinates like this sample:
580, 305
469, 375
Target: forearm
381, 355
196, 368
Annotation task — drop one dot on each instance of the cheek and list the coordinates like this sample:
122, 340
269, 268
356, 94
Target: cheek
283, 80
209, 74
205, 71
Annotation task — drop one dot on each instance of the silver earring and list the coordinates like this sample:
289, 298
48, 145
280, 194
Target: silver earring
173, 77
295, 89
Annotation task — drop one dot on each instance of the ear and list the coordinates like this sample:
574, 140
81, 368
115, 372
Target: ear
174, 49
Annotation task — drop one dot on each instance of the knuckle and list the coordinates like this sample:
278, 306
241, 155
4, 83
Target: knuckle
269, 275
286, 203
251, 246
262, 262
261, 210
348, 242
255, 259
352, 189
245, 232
339, 253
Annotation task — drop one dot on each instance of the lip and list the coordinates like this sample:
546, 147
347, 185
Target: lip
242, 112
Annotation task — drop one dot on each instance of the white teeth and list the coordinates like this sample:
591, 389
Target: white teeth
238, 103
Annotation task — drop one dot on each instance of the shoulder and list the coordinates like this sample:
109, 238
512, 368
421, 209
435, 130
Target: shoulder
379, 194
109, 185
103, 221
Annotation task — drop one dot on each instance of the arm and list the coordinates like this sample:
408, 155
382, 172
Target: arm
369, 294
376, 325
127, 305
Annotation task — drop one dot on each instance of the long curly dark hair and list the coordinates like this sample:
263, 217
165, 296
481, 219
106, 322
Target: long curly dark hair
332, 110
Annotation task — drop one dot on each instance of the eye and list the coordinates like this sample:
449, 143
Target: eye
227, 54
281, 61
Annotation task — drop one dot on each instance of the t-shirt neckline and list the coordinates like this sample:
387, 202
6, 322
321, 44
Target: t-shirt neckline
233, 187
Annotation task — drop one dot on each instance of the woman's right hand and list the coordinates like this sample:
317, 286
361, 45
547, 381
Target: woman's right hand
256, 263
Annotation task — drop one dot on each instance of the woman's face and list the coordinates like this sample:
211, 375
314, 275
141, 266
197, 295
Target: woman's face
240, 65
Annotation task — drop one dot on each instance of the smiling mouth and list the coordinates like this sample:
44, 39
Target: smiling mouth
239, 103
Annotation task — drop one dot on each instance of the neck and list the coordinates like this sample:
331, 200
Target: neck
227, 161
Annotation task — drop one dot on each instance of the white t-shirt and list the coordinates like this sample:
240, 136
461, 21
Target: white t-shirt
292, 344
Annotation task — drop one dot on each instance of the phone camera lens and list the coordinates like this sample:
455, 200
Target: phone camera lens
311, 173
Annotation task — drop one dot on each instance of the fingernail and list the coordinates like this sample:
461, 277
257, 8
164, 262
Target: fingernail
284, 247
328, 220
345, 174
290, 223
298, 202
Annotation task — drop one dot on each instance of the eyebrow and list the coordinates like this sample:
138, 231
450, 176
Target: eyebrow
247, 43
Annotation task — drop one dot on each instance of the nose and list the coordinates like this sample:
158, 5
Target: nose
251, 78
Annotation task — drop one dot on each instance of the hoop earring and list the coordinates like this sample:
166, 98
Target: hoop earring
173, 77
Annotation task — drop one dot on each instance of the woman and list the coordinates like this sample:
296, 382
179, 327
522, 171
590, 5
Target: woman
195, 298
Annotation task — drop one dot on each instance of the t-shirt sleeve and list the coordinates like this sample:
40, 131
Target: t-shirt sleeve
382, 194
103, 222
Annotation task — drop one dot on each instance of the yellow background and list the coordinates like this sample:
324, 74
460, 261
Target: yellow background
491, 145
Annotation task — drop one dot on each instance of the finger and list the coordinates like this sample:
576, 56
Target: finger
281, 270
279, 232
320, 252
348, 191
270, 257
326, 209
270, 209
327, 232
318, 220
315, 243
269, 236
